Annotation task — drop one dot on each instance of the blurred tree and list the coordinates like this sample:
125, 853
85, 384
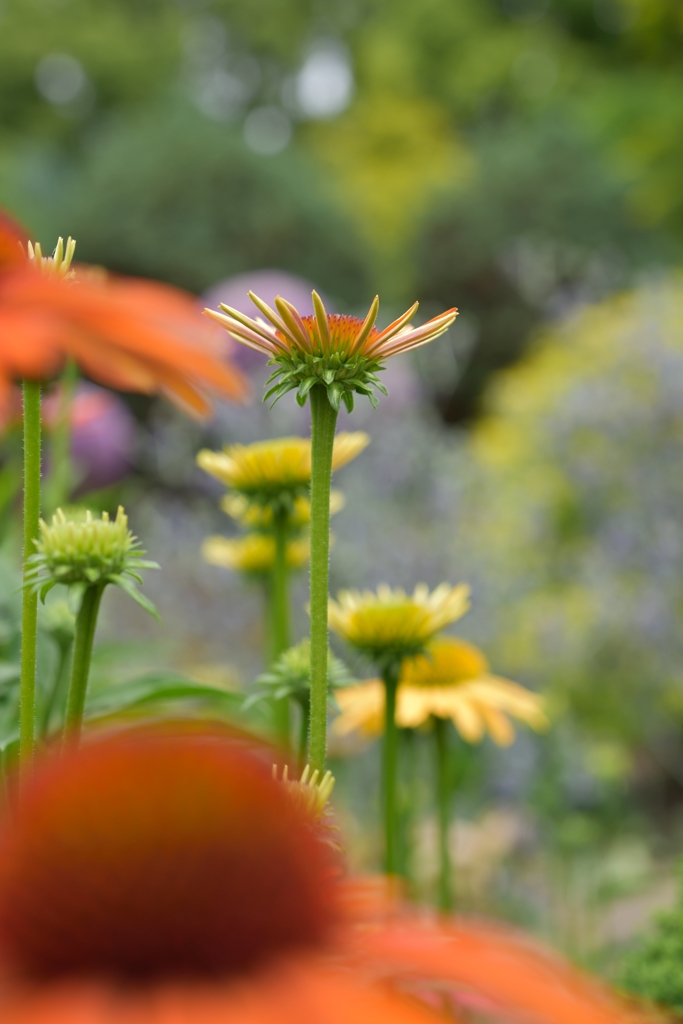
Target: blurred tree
543, 224
166, 194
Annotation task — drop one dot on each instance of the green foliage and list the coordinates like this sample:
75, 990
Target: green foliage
169, 195
654, 969
543, 222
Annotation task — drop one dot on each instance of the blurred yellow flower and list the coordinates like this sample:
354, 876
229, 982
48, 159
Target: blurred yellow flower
260, 517
451, 680
262, 471
252, 553
391, 623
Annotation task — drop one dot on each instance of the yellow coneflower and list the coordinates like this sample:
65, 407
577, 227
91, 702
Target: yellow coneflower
452, 680
268, 469
260, 517
393, 624
252, 554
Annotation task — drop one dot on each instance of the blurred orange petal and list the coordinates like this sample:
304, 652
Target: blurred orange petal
12, 238
133, 335
509, 970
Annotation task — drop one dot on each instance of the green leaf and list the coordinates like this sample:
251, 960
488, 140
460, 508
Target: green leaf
348, 400
334, 393
128, 587
45, 589
158, 688
305, 386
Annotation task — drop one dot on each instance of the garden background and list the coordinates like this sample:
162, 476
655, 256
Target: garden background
521, 159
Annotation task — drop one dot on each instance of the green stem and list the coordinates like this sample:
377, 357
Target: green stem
29, 611
323, 423
390, 770
279, 617
303, 733
446, 898
86, 622
58, 684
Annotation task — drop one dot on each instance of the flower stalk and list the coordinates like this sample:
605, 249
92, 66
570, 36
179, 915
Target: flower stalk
443, 791
29, 611
86, 623
279, 616
323, 423
390, 768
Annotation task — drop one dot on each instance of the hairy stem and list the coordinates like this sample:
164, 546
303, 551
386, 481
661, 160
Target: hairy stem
86, 621
390, 770
323, 423
29, 611
279, 618
446, 898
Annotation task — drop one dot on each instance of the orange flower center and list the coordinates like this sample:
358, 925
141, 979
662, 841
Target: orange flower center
155, 855
343, 330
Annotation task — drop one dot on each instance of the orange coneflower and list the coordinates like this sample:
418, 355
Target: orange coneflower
342, 352
126, 334
167, 877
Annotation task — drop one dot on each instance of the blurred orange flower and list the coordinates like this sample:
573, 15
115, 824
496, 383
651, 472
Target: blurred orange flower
125, 333
167, 878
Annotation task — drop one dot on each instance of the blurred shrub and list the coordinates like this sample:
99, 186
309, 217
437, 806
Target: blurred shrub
655, 969
171, 195
571, 516
542, 223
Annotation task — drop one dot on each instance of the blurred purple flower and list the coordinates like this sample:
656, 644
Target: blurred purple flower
102, 437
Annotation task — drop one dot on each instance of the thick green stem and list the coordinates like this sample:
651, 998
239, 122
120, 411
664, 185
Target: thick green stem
390, 770
279, 618
58, 486
56, 693
86, 621
323, 423
446, 898
303, 732
29, 612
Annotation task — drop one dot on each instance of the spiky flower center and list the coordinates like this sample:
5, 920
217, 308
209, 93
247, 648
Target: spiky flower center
343, 331
154, 855
57, 265
81, 548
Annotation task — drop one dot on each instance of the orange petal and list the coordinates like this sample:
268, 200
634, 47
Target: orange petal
495, 963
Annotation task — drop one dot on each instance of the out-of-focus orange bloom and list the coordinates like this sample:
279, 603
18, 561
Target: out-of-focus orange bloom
12, 239
167, 878
125, 333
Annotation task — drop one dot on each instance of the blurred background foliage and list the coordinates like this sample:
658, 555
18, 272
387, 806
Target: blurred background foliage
522, 159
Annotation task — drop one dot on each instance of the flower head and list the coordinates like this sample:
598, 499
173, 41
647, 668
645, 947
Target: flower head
343, 353
253, 554
126, 334
452, 679
391, 624
290, 676
80, 551
145, 856
166, 876
277, 471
